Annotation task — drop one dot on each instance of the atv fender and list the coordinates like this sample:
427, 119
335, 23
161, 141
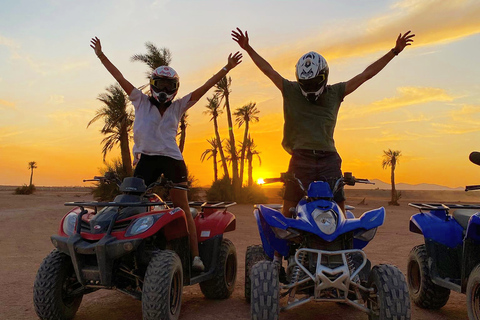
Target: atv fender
473, 230
438, 227
214, 224
269, 241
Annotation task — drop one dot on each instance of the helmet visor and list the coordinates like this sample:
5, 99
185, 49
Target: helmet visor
312, 85
165, 85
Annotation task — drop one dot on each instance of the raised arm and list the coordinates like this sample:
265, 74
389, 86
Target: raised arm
377, 66
233, 61
124, 83
262, 64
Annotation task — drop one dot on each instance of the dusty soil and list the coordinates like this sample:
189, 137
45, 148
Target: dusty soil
26, 223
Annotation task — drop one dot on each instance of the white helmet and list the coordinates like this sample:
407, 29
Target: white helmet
164, 84
312, 74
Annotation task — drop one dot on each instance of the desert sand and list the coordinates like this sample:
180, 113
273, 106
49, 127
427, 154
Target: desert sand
26, 223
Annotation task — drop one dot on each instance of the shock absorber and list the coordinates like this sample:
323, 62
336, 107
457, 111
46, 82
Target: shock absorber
351, 267
296, 274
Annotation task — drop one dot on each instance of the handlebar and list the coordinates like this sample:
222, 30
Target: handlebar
347, 179
474, 187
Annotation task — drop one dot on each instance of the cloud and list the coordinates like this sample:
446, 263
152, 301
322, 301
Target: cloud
406, 96
56, 99
6, 105
433, 21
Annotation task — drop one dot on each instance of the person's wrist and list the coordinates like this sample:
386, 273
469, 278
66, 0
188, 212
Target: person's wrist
100, 55
226, 69
395, 51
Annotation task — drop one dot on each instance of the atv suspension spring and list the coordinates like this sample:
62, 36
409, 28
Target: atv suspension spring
297, 271
351, 267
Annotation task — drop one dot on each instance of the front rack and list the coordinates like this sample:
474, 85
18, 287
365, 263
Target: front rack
443, 206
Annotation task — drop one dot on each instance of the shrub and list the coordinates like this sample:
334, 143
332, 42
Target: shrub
108, 191
252, 194
25, 189
221, 190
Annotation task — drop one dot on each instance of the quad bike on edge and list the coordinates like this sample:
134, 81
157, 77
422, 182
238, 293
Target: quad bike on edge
324, 258
450, 258
139, 246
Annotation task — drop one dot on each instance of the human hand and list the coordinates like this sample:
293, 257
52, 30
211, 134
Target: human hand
403, 41
234, 60
97, 46
240, 38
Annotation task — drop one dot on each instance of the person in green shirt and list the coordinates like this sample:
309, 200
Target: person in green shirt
310, 109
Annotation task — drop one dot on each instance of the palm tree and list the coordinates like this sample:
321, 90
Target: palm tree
245, 115
222, 89
390, 159
118, 118
250, 147
32, 165
212, 153
154, 58
214, 111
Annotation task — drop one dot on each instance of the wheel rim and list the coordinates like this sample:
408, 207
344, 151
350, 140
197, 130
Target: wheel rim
175, 292
230, 270
475, 299
414, 277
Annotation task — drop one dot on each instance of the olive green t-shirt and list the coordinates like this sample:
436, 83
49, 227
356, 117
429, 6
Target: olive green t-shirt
310, 125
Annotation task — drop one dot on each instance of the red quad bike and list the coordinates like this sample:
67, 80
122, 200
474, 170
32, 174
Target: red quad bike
137, 245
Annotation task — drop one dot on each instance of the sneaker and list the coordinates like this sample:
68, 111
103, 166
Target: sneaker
198, 264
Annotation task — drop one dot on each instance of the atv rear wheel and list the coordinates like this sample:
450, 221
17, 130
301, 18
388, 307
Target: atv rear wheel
423, 291
390, 299
265, 296
473, 294
162, 287
56, 292
253, 255
223, 282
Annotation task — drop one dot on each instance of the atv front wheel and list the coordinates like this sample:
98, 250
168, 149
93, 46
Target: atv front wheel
253, 255
56, 292
390, 299
162, 287
423, 291
265, 296
473, 294
223, 282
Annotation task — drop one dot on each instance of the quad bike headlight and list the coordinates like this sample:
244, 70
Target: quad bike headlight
326, 220
141, 225
69, 223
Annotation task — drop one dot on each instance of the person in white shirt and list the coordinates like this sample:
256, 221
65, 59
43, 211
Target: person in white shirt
155, 129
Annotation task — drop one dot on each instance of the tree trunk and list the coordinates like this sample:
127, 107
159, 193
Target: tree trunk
183, 133
244, 147
250, 169
31, 176
392, 179
125, 153
215, 168
236, 182
220, 149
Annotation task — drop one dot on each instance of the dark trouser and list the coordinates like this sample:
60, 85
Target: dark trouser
150, 168
313, 165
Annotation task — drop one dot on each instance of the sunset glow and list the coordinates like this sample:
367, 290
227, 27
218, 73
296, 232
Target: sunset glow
426, 102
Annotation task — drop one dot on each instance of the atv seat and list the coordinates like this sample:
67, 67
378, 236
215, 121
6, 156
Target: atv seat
462, 216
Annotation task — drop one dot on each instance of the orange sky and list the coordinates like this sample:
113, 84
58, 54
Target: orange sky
426, 102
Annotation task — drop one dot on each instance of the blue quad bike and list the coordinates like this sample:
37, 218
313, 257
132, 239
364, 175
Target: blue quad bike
450, 258
324, 258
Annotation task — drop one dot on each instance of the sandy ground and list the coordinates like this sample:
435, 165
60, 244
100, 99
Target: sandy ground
26, 223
